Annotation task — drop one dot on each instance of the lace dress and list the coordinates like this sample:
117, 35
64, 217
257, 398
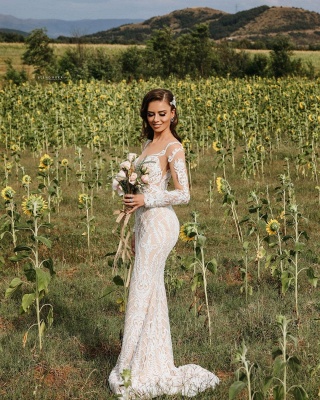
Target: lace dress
146, 347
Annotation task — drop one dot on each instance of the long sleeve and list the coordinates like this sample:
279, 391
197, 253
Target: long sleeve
157, 196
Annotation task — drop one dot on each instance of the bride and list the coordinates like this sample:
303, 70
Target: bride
146, 348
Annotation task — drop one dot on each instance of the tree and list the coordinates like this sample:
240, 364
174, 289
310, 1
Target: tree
131, 61
194, 53
281, 64
202, 50
14, 76
258, 65
74, 64
160, 53
100, 65
185, 64
39, 53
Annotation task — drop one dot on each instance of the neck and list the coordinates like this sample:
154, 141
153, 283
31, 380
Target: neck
163, 136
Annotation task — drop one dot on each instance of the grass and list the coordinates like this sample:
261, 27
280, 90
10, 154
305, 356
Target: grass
83, 344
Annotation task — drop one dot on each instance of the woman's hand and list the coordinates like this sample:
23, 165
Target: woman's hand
134, 201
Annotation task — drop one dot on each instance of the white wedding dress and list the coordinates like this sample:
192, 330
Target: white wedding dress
146, 347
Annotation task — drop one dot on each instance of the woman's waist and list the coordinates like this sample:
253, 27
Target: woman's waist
143, 212
154, 187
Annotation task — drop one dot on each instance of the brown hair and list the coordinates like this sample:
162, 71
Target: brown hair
157, 95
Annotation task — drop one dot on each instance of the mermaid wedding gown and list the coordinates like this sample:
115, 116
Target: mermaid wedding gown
146, 347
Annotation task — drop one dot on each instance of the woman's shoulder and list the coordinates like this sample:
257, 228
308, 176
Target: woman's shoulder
172, 144
172, 149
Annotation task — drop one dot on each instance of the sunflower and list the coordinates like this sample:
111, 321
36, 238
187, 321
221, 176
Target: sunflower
260, 253
83, 198
222, 185
187, 232
9, 166
216, 145
15, 148
186, 144
96, 139
26, 180
219, 184
64, 162
272, 227
7, 193
45, 162
34, 205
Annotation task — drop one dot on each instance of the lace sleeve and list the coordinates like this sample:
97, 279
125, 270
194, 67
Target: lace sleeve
181, 193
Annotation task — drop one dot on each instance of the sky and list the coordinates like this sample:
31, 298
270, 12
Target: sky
135, 9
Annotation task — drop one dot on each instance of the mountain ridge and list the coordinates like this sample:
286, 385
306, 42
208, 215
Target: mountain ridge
258, 23
58, 27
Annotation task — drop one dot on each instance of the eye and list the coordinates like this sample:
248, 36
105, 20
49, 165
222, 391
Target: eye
162, 114
150, 114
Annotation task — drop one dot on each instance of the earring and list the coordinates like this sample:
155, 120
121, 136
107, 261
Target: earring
172, 119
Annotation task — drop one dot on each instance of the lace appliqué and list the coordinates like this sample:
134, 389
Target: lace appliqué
175, 151
156, 194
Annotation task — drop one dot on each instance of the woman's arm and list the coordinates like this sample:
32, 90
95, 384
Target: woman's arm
181, 193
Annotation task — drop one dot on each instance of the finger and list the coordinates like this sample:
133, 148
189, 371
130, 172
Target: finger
129, 200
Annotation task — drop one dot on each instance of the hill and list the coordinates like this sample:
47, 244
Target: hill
57, 27
13, 32
302, 26
258, 23
179, 21
12, 35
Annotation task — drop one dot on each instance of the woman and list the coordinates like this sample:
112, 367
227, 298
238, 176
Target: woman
146, 347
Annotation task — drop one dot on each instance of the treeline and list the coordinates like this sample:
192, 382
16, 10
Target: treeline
227, 24
193, 54
11, 37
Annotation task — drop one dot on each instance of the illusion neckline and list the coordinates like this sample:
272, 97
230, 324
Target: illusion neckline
159, 152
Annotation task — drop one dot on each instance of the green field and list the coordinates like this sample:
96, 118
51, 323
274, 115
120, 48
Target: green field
15, 51
268, 133
305, 55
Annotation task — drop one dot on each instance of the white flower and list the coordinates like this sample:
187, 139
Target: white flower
173, 102
132, 157
115, 184
145, 179
125, 165
121, 175
133, 178
120, 191
117, 187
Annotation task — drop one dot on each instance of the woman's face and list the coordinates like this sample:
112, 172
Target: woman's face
159, 115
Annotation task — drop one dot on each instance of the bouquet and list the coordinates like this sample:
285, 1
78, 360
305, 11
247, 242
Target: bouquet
129, 180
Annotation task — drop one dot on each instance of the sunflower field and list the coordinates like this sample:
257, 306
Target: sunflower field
242, 282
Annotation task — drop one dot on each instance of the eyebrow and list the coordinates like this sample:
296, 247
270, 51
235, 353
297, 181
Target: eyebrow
158, 111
